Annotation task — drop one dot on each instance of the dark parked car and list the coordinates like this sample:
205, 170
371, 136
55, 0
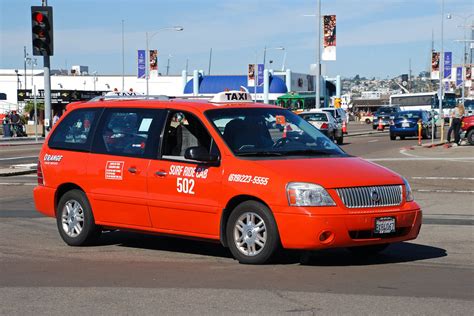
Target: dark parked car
405, 123
384, 113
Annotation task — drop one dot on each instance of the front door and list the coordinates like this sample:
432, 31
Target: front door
124, 143
183, 194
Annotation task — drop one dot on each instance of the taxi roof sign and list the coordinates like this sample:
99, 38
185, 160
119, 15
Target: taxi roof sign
232, 97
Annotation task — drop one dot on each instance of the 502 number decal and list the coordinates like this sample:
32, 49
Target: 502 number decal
185, 185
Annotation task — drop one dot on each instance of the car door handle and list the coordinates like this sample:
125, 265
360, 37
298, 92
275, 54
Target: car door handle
133, 170
161, 173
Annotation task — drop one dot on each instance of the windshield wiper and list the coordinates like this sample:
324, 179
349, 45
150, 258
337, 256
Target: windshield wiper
259, 153
308, 152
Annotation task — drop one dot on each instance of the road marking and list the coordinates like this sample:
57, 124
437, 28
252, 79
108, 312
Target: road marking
416, 158
442, 178
373, 141
443, 191
14, 158
18, 183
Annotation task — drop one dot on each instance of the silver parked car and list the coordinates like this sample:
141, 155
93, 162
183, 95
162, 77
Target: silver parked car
326, 123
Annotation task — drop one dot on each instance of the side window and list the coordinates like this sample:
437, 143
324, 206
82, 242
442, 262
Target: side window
184, 130
129, 132
75, 131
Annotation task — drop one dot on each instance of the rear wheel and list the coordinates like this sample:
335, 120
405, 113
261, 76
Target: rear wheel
393, 136
402, 137
368, 250
75, 220
252, 234
470, 137
374, 127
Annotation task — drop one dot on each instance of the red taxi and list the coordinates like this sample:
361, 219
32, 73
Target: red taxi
255, 177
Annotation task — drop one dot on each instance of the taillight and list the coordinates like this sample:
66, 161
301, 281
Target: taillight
324, 125
39, 173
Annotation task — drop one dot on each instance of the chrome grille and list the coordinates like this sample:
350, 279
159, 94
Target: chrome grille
359, 197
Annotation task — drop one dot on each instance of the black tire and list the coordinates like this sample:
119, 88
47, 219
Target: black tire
340, 140
402, 137
89, 232
272, 239
367, 251
368, 121
374, 127
393, 136
470, 137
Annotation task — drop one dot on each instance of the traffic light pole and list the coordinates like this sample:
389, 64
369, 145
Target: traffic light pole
47, 89
47, 95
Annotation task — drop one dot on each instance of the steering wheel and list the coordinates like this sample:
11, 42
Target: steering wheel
282, 142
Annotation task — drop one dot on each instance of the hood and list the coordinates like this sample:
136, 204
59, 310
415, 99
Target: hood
331, 172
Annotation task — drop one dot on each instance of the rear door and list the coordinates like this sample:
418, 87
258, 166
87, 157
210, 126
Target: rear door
123, 145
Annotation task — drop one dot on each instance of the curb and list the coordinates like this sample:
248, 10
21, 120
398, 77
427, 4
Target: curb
16, 170
9, 172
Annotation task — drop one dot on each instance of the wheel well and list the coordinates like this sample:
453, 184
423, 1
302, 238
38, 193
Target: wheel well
62, 189
231, 204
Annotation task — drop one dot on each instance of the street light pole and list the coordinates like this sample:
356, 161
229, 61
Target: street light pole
147, 53
318, 57
441, 67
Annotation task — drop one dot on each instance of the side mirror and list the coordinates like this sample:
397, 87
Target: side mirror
200, 153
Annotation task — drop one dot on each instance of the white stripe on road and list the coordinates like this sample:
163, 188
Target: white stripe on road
444, 191
465, 159
373, 141
15, 158
442, 178
18, 183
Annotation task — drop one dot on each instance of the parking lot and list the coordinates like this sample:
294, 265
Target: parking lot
132, 273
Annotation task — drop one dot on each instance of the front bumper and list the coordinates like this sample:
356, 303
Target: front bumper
304, 231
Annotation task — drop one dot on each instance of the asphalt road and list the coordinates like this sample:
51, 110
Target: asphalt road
129, 273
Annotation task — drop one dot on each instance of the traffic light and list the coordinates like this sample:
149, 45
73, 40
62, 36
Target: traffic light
42, 30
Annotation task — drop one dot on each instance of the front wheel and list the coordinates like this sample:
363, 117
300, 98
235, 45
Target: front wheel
366, 251
252, 234
75, 220
393, 137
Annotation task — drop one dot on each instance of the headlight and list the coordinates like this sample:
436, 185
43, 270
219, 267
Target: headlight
307, 194
408, 193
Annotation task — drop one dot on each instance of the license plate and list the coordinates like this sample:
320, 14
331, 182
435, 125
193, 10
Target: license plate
384, 225
405, 124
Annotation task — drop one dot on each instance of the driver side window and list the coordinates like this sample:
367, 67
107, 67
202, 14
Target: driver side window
184, 130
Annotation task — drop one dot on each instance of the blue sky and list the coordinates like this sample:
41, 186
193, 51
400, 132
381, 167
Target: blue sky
374, 37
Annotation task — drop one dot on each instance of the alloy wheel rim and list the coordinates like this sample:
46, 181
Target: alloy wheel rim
250, 234
72, 218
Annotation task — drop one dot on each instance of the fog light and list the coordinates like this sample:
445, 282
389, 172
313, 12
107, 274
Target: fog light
326, 237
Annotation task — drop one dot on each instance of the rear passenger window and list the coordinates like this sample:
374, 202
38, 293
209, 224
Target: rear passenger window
129, 132
75, 131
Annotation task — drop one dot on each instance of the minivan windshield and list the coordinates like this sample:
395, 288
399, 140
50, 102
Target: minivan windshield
270, 132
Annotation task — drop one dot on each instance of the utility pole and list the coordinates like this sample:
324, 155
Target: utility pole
123, 58
25, 56
210, 62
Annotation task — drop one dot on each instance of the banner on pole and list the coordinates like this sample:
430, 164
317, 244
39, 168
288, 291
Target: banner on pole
251, 76
448, 63
153, 63
435, 65
329, 42
141, 64
261, 68
458, 76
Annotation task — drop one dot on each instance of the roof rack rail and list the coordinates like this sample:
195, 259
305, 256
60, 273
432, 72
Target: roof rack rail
130, 97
